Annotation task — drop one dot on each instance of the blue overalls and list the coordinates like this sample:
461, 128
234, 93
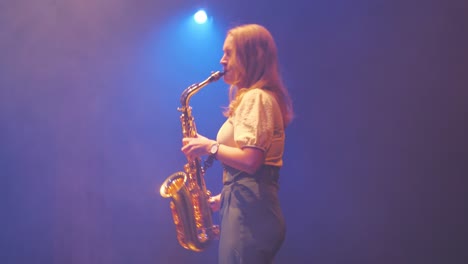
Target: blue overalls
252, 223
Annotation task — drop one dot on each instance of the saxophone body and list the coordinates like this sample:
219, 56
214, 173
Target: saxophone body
187, 190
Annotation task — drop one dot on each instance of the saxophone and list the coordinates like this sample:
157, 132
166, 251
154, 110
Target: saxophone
189, 204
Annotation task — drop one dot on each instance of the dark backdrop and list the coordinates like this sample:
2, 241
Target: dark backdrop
376, 158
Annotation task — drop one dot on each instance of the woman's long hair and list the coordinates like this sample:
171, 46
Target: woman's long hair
255, 65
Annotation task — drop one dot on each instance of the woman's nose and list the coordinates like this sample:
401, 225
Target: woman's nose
223, 60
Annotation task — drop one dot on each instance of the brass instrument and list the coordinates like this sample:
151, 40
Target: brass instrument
189, 204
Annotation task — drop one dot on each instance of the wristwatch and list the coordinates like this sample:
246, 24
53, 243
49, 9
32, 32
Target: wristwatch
214, 148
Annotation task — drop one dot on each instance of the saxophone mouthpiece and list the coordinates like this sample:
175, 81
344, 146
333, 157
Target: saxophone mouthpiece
216, 75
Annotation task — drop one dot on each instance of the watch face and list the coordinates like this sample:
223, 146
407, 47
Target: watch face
214, 148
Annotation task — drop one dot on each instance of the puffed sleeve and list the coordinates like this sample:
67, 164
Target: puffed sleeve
253, 120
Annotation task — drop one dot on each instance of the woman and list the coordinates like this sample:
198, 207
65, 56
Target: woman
250, 146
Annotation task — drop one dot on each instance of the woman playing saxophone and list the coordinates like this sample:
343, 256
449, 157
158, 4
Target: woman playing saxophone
250, 146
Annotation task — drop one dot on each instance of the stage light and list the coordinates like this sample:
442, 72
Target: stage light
200, 16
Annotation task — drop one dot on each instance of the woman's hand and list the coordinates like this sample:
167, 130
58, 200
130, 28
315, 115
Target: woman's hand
248, 159
215, 202
197, 146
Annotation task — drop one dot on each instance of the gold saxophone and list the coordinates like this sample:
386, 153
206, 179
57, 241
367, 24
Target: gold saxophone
189, 204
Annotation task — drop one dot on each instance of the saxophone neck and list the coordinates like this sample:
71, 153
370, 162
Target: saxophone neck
196, 87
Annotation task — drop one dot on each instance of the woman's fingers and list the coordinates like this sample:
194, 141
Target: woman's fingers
215, 202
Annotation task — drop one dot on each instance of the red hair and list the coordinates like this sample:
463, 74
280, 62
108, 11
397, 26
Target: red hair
255, 65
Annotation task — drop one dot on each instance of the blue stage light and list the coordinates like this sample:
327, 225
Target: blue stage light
200, 16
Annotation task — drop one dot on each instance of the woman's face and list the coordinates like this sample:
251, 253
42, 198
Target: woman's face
226, 60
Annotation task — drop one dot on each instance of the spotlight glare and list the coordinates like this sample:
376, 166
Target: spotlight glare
200, 17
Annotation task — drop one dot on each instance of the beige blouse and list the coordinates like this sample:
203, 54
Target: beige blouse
257, 122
